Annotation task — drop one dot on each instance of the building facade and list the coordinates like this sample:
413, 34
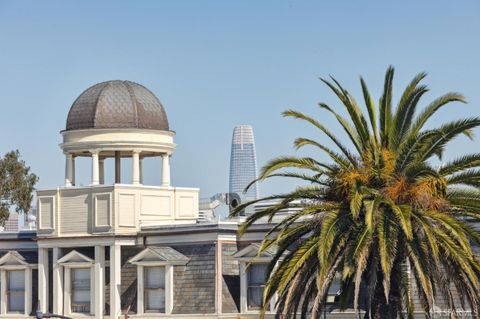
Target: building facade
106, 250
243, 162
130, 249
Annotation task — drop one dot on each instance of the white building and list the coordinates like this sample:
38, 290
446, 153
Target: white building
103, 250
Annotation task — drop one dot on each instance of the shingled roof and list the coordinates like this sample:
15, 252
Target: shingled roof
117, 104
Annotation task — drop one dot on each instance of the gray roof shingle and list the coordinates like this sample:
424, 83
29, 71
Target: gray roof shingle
117, 104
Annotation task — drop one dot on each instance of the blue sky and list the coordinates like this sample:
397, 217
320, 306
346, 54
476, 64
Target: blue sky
214, 64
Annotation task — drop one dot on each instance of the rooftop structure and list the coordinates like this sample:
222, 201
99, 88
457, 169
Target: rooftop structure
115, 119
117, 104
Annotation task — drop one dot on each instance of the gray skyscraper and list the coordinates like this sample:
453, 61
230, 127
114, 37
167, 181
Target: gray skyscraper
243, 162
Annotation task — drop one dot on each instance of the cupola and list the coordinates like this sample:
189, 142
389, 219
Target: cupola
117, 119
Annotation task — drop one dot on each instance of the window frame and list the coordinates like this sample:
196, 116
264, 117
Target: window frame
141, 302
15, 264
163, 256
72, 290
9, 291
146, 290
72, 260
68, 289
250, 285
244, 264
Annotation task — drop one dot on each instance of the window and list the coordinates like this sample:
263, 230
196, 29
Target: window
256, 278
154, 289
80, 290
16, 291
155, 266
334, 290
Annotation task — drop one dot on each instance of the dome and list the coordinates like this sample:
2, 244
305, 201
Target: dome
117, 104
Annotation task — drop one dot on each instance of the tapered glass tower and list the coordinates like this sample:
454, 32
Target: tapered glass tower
243, 162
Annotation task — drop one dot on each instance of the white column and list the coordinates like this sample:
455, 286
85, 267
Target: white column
101, 169
115, 281
93, 300
73, 171
140, 294
165, 170
243, 287
168, 289
3, 292
68, 169
141, 170
136, 167
67, 305
28, 291
99, 284
57, 282
43, 279
95, 170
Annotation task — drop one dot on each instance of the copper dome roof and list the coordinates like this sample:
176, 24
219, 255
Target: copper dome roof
117, 104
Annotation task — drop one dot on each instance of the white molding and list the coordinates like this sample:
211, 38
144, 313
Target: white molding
52, 216
86, 241
19, 245
194, 237
138, 259
3, 292
95, 212
69, 260
127, 139
11, 255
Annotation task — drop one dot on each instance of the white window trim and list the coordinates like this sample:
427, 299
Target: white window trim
156, 259
20, 265
243, 263
168, 286
75, 259
54, 213
100, 227
28, 289
67, 297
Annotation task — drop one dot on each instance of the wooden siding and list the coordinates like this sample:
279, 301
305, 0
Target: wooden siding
75, 209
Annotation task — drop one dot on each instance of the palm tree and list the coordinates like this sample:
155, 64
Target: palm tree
381, 217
